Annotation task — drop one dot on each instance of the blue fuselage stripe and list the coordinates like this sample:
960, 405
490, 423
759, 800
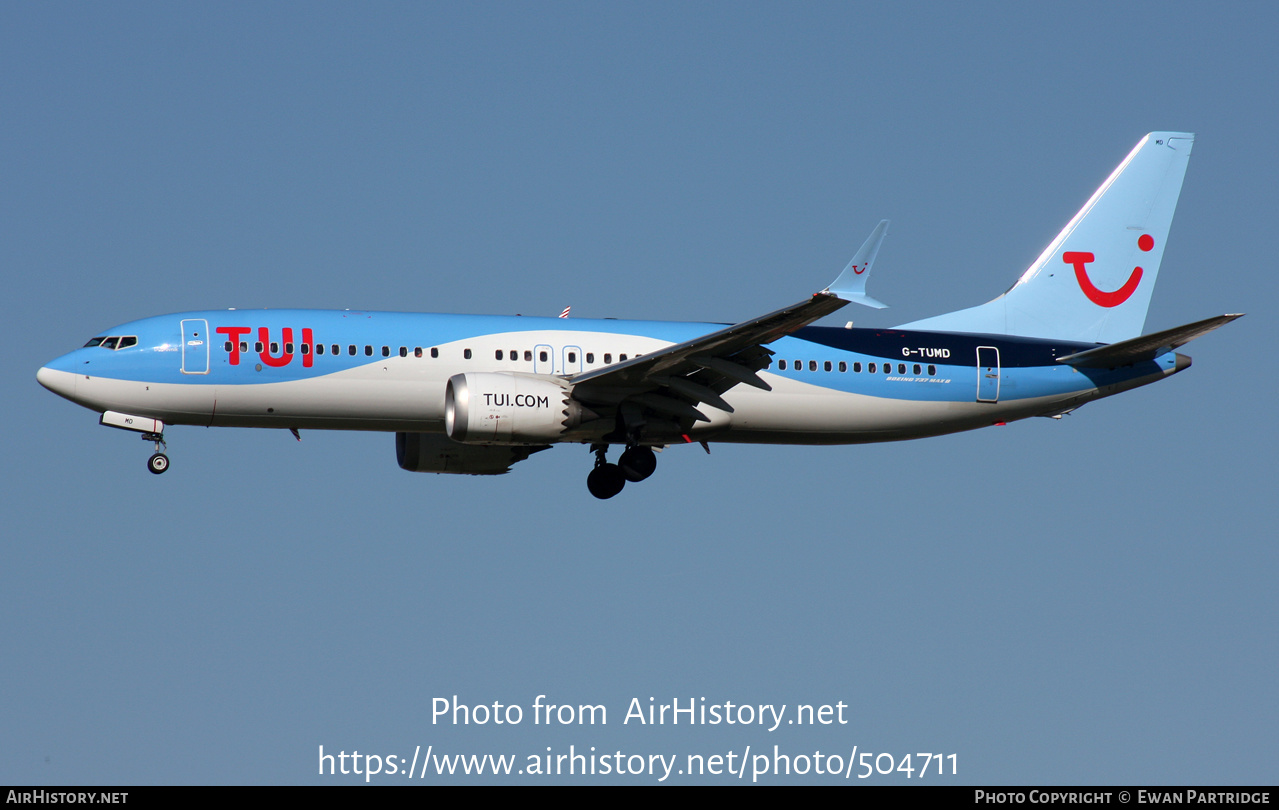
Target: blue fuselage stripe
923, 366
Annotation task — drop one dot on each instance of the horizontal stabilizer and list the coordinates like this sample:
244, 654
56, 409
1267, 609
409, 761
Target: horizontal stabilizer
851, 284
1146, 347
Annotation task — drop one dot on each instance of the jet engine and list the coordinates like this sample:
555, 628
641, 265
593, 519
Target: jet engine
510, 409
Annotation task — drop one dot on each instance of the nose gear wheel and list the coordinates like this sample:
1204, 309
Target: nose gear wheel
158, 462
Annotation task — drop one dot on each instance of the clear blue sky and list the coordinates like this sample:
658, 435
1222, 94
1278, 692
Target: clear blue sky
1090, 600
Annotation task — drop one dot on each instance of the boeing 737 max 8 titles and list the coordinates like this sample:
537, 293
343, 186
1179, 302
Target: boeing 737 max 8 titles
476, 393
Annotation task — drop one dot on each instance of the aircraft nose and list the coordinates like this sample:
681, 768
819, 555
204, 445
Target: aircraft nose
59, 382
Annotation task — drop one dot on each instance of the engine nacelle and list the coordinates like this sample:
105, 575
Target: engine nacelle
436, 453
509, 409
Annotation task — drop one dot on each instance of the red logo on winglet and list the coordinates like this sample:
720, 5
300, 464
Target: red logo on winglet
1100, 297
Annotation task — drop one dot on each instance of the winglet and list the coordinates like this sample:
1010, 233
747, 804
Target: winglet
851, 284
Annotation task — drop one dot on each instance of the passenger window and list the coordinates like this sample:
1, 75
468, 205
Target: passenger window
590, 357
350, 349
932, 370
404, 351
257, 346
826, 365
798, 365
336, 349
917, 368
244, 347
901, 368
781, 364
812, 365
466, 354
368, 350
497, 354
319, 348
608, 358
417, 351
572, 357
435, 352
857, 368
541, 356
621, 358
843, 366
288, 348
528, 355
275, 348
226, 347
386, 351
306, 348
871, 368
888, 368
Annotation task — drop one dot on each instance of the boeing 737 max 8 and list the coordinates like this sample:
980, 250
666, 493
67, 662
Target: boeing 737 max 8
476, 394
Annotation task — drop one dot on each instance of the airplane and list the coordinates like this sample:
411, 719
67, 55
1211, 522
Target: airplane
475, 394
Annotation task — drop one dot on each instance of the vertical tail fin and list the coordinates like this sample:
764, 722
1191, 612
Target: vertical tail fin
1093, 282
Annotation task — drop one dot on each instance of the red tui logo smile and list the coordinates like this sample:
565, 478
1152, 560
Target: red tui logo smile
1100, 297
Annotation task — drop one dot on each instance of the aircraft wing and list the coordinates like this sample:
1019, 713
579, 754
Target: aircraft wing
672, 381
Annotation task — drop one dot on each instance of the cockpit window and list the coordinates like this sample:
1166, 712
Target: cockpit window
113, 342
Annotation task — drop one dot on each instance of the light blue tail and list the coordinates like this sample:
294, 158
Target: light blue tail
1093, 282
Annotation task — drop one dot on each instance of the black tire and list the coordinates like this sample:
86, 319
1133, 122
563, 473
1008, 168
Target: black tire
638, 463
605, 481
158, 463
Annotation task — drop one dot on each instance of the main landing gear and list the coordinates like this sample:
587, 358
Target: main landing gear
159, 462
606, 480
637, 463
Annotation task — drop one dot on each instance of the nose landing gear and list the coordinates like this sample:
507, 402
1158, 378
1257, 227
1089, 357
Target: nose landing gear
158, 462
152, 430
